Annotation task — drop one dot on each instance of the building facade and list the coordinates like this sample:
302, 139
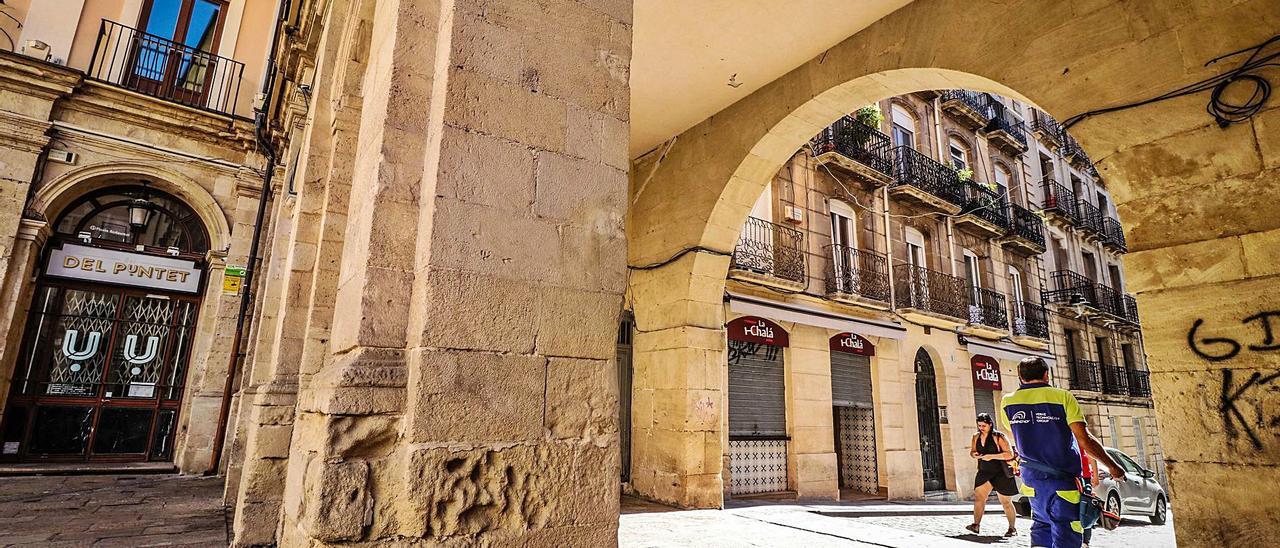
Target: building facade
131, 179
887, 283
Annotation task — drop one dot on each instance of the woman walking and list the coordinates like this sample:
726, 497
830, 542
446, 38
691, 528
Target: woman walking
993, 452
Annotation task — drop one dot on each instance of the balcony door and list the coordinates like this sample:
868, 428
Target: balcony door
973, 278
904, 133
844, 240
173, 56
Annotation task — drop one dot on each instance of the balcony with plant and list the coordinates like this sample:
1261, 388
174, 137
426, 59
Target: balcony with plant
854, 144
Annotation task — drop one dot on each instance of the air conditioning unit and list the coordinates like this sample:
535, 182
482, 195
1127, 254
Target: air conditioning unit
63, 156
793, 214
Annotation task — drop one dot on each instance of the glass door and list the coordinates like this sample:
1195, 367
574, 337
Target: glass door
174, 54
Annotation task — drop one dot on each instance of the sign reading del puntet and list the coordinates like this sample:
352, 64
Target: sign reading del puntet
79, 262
756, 330
986, 373
852, 343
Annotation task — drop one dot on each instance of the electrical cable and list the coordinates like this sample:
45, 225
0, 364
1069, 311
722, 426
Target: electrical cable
679, 254
1223, 111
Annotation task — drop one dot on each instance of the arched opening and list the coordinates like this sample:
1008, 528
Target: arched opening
107, 345
928, 419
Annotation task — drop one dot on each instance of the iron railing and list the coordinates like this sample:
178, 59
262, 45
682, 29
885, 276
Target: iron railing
1070, 147
857, 272
912, 168
1070, 288
164, 69
986, 204
856, 141
1003, 119
987, 307
1139, 383
1045, 124
771, 249
930, 291
1026, 224
1130, 309
1030, 320
1114, 234
1060, 199
976, 100
1090, 217
1086, 375
1115, 380
1109, 301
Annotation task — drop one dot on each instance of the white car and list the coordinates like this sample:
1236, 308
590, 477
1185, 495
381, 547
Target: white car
1138, 495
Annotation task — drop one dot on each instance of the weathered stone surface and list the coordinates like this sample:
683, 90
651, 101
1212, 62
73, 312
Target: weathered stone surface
338, 500
455, 399
582, 400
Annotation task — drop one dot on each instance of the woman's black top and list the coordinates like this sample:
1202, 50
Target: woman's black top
991, 447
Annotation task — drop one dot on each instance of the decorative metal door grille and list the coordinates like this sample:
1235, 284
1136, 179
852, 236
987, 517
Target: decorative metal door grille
927, 416
757, 466
856, 433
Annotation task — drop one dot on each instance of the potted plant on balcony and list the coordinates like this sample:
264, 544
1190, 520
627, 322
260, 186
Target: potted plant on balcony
869, 115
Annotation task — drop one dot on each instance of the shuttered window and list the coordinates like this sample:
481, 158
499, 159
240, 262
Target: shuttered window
985, 402
757, 402
850, 380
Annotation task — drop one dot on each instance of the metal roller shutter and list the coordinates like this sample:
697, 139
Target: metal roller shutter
985, 402
757, 402
850, 380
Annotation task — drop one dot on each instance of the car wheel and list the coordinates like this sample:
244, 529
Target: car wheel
1113, 504
1161, 515
1023, 507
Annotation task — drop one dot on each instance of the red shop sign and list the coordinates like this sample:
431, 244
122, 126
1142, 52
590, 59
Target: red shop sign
757, 330
986, 373
852, 343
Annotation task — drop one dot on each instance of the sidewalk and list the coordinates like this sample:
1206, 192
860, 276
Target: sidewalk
858, 524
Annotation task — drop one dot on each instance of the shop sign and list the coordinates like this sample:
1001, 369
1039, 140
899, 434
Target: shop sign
852, 343
232, 279
757, 330
85, 263
986, 373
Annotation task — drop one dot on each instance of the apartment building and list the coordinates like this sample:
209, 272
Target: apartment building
887, 283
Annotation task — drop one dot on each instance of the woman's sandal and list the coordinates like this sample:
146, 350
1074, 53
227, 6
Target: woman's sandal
1011, 532
972, 527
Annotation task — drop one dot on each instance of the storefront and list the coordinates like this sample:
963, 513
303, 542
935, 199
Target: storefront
853, 412
757, 406
108, 336
986, 384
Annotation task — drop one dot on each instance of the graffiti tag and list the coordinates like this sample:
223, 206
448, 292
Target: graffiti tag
740, 349
1233, 420
1217, 349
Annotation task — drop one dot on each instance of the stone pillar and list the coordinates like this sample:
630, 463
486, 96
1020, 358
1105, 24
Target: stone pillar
679, 406
812, 451
15, 295
471, 397
1199, 211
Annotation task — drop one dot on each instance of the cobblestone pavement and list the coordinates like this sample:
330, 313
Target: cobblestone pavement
875, 524
102, 511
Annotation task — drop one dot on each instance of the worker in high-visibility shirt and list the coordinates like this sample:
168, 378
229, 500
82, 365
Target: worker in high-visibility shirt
1049, 431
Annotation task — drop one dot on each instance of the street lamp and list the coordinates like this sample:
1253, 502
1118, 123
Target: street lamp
139, 212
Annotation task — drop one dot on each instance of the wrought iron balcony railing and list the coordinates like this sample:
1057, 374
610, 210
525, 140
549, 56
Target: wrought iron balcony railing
1139, 383
1060, 199
1046, 125
976, 100
164, 69
856, 141
1030, 320
1109, 301
987, 307
1086, 375
986, 204
857, 272
912, 168
1070, 288
1114, 234
930, 291
1131, 309
770, 249
1070, 147
1115, 380
1026, 225
1003, 119
1090, 217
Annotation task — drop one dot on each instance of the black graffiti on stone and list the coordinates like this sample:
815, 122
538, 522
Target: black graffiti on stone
1227, 348
741, 349
1233, 420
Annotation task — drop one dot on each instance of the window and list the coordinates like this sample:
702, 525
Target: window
1116, 282
1070, 336
165, 59
1090, 266
1102, 204
1015, 284
959, 153
108, 215
1046, 166
973, 274
915, 248
763, 208
1002, 180
904, 127
1126, 353
1101, 343
843, 231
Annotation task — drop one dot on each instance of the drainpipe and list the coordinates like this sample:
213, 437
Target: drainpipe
888, 243
261, 122
937, 139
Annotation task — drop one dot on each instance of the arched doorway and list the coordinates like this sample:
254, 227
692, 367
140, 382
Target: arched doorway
927, 416
108, 336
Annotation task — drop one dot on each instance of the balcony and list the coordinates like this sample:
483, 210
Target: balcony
1131, 310
1086, 375
857, 148
1060, 203
1030, 320
857, 276
988, 314
1046, 129
1070, 147
985, 212
1109, 301
1113, 235
1026, 233
1115, 380
930, 297
148, 64
770, 254
971, 108
1089, 217
1069, 289
1006, 131
1139, 383
921, 180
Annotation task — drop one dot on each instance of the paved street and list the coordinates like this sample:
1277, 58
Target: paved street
874, 524
102, 511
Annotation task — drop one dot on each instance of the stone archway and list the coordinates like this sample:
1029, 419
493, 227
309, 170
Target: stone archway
1199, 250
